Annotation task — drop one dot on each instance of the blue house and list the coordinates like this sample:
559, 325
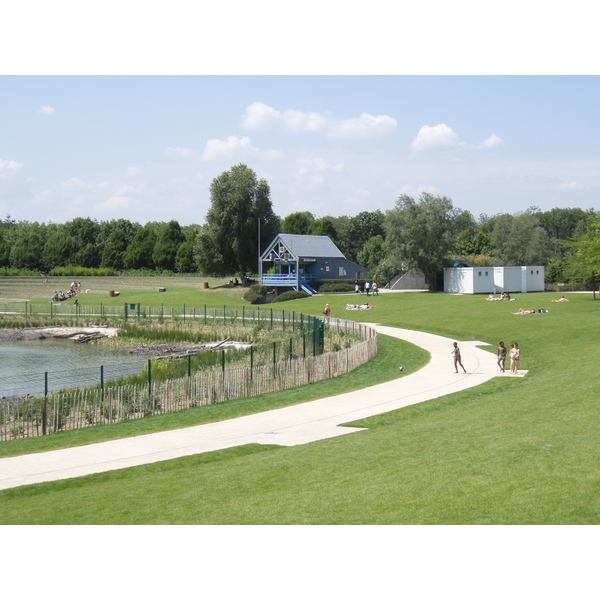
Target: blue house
293, 261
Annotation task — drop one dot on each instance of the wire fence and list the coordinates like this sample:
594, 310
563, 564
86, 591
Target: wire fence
289, 363
135, 311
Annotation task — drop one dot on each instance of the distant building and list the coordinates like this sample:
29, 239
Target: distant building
293, 261
493, 280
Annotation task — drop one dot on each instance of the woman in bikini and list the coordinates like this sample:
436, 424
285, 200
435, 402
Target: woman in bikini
515, 354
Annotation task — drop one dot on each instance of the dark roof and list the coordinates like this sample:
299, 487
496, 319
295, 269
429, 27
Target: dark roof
317, 246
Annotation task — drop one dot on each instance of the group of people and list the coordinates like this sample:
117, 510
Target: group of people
503, 296
515, 354
59, 296
365, 286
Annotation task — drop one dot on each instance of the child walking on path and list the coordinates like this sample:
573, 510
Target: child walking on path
502, 357
457, 360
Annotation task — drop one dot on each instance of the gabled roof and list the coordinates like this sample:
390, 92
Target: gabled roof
314, 246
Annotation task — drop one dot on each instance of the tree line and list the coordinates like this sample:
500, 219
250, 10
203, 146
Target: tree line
424, 234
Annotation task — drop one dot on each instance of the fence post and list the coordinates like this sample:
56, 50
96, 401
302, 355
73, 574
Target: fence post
45, 405
101, 388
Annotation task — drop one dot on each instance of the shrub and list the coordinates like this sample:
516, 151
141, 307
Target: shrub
82, 272
256, 294
340, 286
291, 295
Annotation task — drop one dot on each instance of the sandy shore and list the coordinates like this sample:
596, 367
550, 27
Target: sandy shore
58, 332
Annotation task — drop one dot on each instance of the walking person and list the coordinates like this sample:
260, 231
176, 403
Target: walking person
326, 311
457, 359
502, 357
367, 285
374, 289
515, 354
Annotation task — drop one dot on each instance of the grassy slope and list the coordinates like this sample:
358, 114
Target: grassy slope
520, 451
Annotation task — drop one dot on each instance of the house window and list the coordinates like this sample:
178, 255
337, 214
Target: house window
486, 273
479, 273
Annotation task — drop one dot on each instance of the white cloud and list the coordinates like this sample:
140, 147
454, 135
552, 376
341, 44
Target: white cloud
433, 138
113, 203
75, 185
320, 164
571, 185
492, 142
234, 146
415, 191
364, 126
128, 190
260, 116
181, 152
7, 167
47, 110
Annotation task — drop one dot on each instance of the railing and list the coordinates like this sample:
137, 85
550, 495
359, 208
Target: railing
271, 279
55, 312
76, 409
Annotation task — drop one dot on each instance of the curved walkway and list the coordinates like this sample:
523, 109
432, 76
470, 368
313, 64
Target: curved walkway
289, 426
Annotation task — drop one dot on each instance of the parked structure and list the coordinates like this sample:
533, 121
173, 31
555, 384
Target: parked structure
494, 280
293, 261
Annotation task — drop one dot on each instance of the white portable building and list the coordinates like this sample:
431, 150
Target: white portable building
493, 280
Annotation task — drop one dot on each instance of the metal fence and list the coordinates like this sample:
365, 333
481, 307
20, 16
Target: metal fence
75, 409
132, 311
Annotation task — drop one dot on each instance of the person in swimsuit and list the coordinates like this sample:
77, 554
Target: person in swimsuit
502, 357
457, 360
515, 354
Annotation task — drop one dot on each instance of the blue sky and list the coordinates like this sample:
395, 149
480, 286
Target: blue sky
146, 148
132, 110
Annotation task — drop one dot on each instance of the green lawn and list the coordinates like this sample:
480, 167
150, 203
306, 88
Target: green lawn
512, 451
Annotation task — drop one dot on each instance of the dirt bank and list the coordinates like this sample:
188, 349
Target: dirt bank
76, 334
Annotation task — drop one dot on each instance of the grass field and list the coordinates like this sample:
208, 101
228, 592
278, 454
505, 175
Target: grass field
512, 451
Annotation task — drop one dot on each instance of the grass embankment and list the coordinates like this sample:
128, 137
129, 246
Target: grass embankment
518, 451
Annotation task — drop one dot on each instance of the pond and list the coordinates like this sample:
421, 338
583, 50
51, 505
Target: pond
69, 365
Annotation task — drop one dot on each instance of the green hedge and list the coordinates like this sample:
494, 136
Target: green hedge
82, 272
291, 295
255, 294
329, 286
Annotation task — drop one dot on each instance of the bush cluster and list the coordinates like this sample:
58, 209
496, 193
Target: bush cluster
256, 294
82, 272
291, 295
336, 286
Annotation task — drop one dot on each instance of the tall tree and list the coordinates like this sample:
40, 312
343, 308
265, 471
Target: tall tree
419, 234
363, 227
561, 224
113, 255
520, 240
167, 246
139, 252
583, 255
229, 241
298, 222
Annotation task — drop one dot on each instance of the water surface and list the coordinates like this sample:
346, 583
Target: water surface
23, 364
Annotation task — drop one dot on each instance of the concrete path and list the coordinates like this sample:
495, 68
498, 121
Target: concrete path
289, 426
